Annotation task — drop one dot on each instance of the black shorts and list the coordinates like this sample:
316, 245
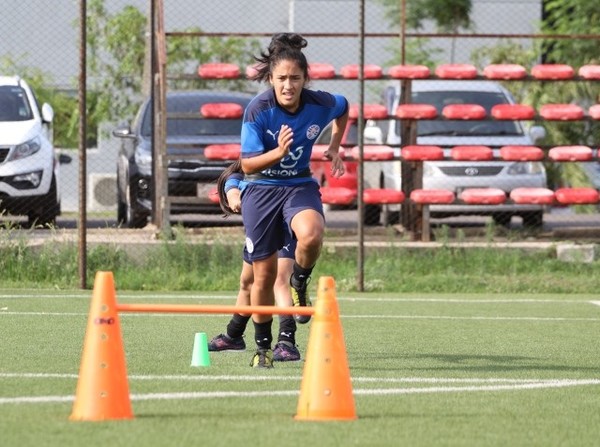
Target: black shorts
267, 212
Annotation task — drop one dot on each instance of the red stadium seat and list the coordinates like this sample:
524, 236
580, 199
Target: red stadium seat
464, 112
472, 153
571, 153
374, 196
409, 72
318, 70
561, 112
370, 111
590, 72
456, 71
218, 70
577, 196
222, 151
370, 71
422, 153
337, 195
521, 153
504, 71
552, 72
416, 111
432, 196
222, 110
374, 153
594, 112
483, 196
538, 196
512, 112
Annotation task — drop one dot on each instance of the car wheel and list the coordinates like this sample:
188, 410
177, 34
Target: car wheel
46, 209
533, 219
502, 219
372, 215
133, 218
392, 218
121, 206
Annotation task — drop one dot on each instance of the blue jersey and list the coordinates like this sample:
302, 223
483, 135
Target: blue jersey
263, 118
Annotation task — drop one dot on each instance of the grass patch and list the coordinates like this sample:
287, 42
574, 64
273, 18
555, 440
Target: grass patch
181, 265
426, 369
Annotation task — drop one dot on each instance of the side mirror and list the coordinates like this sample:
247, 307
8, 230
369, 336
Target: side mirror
64, 159
47, 113
537, 133
123, 132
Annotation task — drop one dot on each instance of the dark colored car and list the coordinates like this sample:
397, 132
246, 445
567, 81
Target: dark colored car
192, 176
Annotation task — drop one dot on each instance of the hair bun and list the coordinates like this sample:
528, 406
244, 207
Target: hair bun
290, 40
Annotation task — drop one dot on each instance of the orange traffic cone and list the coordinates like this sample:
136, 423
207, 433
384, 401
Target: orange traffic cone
102, 387
326, 389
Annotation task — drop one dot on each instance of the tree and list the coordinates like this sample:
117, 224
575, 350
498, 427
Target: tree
561, 17
116, 50
449, 16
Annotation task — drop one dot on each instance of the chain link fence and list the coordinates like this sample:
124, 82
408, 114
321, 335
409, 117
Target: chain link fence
41, 45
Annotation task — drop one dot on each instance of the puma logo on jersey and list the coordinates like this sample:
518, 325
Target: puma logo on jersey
274, 135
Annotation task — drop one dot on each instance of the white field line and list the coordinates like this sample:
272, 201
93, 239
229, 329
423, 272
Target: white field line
378, 317
595, 303
232, 297
252, 378
360, 392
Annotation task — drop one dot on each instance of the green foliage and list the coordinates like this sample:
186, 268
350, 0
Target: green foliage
117, 52
572, 17
181, 266
448, 16
116, 46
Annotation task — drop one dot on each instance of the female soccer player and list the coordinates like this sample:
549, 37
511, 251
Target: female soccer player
232, 340
278, 132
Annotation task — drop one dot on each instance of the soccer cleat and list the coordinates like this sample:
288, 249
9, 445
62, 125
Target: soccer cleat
224, 342
285, 352
263, 358
300, 298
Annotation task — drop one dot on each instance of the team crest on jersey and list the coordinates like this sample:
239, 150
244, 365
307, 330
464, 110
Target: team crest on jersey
312, 132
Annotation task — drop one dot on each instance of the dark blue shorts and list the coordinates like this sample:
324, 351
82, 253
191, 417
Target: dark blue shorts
287, 251
267, 212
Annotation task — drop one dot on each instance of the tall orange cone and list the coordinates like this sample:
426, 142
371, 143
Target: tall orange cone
102, 388
326, 389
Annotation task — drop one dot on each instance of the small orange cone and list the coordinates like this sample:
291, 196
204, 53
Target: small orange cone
102, 389
326, 389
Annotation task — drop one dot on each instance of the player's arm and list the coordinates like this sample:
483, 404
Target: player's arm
333, 151
263, 161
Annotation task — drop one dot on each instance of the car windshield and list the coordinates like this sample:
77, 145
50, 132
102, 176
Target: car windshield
184, 119
14, 105
440, 99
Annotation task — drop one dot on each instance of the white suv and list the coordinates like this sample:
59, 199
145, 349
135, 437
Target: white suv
29, 168
458, 175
